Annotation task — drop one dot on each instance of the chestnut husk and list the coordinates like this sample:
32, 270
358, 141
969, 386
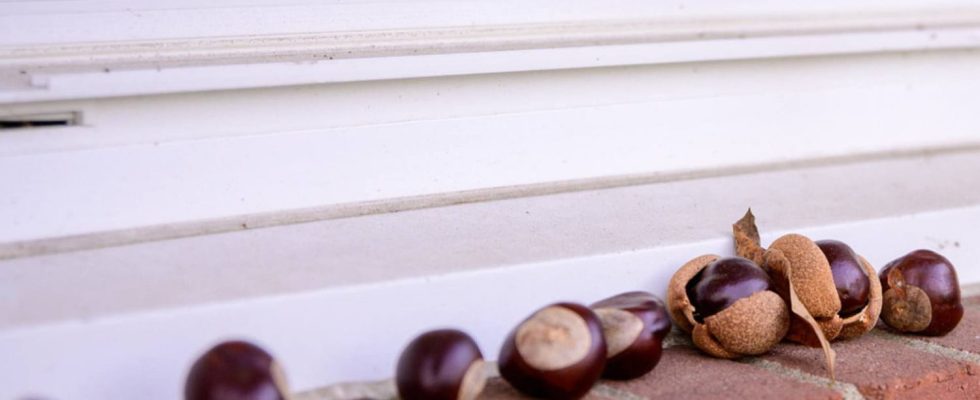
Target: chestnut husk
750, 326
813, 282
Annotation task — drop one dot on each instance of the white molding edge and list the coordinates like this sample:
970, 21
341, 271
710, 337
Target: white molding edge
48, 72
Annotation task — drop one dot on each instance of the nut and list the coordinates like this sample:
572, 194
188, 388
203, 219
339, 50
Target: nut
799, 271
558, 352
814, 284
727, 305
857, 288
833, 283
443, 364
235, 370
922, 294
634, 325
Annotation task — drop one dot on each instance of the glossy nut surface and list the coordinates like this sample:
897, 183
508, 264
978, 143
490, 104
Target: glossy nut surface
443, 364
558, 352
852, 282
723, 282
634, 325
750, 325
235, 370
922, 294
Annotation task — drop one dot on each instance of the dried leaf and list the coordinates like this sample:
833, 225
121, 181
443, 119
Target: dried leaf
775, 261
747, 242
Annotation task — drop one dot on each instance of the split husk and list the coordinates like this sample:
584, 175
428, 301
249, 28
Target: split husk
750, 326
796, 272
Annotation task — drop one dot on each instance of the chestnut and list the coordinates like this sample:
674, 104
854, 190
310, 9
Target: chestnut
236, 370
444, 364
853, 285
728, 306
634, 325
558, 352
859, 292
833, 290
723, 282
922, 294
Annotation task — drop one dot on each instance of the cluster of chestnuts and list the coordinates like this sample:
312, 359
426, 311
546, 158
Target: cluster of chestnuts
558, 352
796, 289
806, 292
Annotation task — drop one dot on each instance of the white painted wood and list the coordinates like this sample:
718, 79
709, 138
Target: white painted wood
96, 54
346, 252
161, 119
35, 22
108, 82
623, 126
355, 333
695, 129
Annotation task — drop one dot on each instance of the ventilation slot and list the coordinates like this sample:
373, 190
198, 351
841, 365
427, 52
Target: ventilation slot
39, 120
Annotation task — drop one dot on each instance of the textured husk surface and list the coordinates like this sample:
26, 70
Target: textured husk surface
752, 325
680, 307
812, 278
864, 321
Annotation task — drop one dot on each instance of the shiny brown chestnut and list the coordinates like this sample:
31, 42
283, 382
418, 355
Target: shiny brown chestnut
822, 278
723, 282
444, 364
727, 305
857, 288
236, 370
922, 294
558, 352
634, 325
853, 284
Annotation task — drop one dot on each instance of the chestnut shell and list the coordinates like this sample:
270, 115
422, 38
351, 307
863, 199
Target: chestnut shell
571, 382
723, 282
235, 370
643, 355
935, 275
852, 282
750, 326
433, 365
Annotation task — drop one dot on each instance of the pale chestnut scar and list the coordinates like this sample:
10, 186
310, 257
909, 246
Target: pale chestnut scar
553, 338
474, 380
621, 328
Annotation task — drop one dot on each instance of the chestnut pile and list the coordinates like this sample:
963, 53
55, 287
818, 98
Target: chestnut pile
798, 290
806, 292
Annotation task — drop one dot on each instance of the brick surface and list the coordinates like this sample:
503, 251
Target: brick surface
966, 336
685, 373
499, 389
886, 369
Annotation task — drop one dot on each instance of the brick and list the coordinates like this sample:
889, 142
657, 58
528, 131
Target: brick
685, 373
966, 335
499, 389
883, 368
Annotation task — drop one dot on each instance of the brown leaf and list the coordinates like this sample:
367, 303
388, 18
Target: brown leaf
747, 242
775, 261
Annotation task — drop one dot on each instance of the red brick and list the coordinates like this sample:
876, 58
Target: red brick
966, 335
499, 389
685, 373
885, 369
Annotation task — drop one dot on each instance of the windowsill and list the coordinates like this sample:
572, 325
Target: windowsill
200, 289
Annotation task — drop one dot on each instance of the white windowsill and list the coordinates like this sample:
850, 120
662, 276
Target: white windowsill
331, 178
